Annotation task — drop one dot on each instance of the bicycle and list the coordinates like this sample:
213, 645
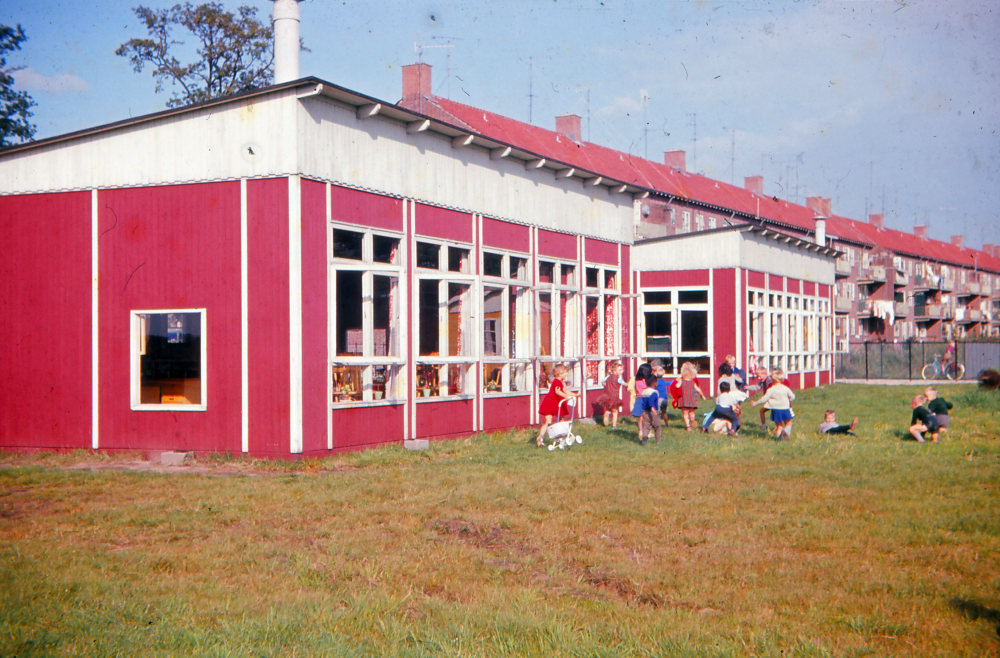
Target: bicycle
936, 369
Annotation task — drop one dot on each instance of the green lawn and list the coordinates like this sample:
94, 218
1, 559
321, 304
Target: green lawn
699, 546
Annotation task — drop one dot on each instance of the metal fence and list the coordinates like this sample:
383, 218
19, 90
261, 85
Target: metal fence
907, 360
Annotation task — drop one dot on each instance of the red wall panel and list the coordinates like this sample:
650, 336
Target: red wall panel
824, 291
808, 288
625, 278
442, 223
506, 235
443, 419
724, 302
363, 426
170, 247
755, 279
824, 378
45, 297
502, 413
556, 245
365, 208
794, 286
267, 280
679, 278
599, 251
315, 359
775, 283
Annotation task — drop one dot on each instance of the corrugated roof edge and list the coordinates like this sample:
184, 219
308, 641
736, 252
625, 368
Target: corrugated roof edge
799, 243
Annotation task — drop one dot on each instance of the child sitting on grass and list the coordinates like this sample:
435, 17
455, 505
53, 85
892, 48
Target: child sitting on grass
647, 409
923, 420
727, 408
939, 407
830, 425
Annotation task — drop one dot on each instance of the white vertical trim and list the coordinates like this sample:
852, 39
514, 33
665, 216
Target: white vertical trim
413, 320
330, 347
711, 331
94, 362
741, 295
295, 312
244, 322
479, 325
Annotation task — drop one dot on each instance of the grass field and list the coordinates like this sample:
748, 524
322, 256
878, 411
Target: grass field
699, 546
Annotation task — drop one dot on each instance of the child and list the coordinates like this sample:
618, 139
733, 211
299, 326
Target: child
727, 408
687, 402
939, 407
647, 408
739, 373
661, 389
636, 385
726, 375
763, 383
923, 420
779, 399
830, 426
550, 403
611, 399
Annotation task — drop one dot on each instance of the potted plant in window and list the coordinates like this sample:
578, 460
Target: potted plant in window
378, 384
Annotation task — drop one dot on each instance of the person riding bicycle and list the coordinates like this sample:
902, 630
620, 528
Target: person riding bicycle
949, 356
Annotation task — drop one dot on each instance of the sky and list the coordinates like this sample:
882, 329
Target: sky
884, 107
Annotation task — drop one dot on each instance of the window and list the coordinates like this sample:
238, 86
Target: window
792, 332
445, 310
367, 303
168, 359
685, 221
675, 327
506, 324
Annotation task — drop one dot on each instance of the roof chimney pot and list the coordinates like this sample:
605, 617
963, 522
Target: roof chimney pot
754, 184
877, 220
958, 241
676, 159
569, 125
417, 80
920, 231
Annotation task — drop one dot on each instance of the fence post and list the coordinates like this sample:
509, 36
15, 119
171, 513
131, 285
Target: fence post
866, 360
909, 361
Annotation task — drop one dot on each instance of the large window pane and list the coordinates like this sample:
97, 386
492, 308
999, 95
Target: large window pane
430, 330
348, 383
545, 324
349, 313
459, 315
492, 321
593, 325
170, 357
694, 331
385, 315
659, 331
519, 317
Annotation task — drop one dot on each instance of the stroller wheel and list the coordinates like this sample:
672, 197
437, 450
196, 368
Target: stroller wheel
579, 439
552, 447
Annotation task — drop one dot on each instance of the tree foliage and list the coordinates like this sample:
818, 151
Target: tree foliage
15, 106
236, 51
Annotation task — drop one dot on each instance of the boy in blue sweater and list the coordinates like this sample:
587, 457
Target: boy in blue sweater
647, 409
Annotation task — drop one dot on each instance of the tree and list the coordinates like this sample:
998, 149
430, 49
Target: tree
15, 106
236, 51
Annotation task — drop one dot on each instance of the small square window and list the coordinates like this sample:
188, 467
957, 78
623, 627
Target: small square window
492, 264
692, 296
168, 360
428, 255
546, 272
656, 297
386, 249
517, 268
567, 275
348, 244
611, 279
593, 276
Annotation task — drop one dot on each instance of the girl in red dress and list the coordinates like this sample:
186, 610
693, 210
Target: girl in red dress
686, 392
550, 403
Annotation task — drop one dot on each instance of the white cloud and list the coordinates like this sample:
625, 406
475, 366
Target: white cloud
31, 80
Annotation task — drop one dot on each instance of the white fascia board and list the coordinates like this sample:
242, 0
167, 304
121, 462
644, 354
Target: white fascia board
336, 147
246, 138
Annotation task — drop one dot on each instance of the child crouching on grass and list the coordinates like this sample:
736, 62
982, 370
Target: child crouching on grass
550, 403
923, 420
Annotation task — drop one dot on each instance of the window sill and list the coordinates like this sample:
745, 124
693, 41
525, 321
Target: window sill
445, 398
169, 407
512, 394
373, 403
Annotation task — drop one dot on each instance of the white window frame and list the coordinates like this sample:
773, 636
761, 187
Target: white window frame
676, 356
135, 361
369, 269
523, 318
443, 363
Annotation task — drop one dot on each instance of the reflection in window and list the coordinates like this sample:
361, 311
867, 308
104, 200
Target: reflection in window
349, 304
458, 260
546, 272
459, 315
694, 331
492, 264
428, 255
429, 324
385, 249
348, 244
545, 323
658, 331
170, 359
492, 320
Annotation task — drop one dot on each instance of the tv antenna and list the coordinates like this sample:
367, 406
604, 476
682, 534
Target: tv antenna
644, 95
693, 122
419, 49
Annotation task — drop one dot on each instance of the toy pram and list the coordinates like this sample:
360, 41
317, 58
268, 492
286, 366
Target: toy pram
561, 432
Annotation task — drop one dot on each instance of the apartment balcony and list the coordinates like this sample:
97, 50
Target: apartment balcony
947, 285
922, 282
841, 304
927, 312
971, 289
901, 309
864, 308
844, 268
902, 279
973, 315
874, 274
986, 289
947, 313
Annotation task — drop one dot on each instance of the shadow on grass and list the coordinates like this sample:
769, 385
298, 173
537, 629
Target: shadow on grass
974, 611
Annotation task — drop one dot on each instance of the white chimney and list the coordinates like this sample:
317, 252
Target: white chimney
286, 40
821, 231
